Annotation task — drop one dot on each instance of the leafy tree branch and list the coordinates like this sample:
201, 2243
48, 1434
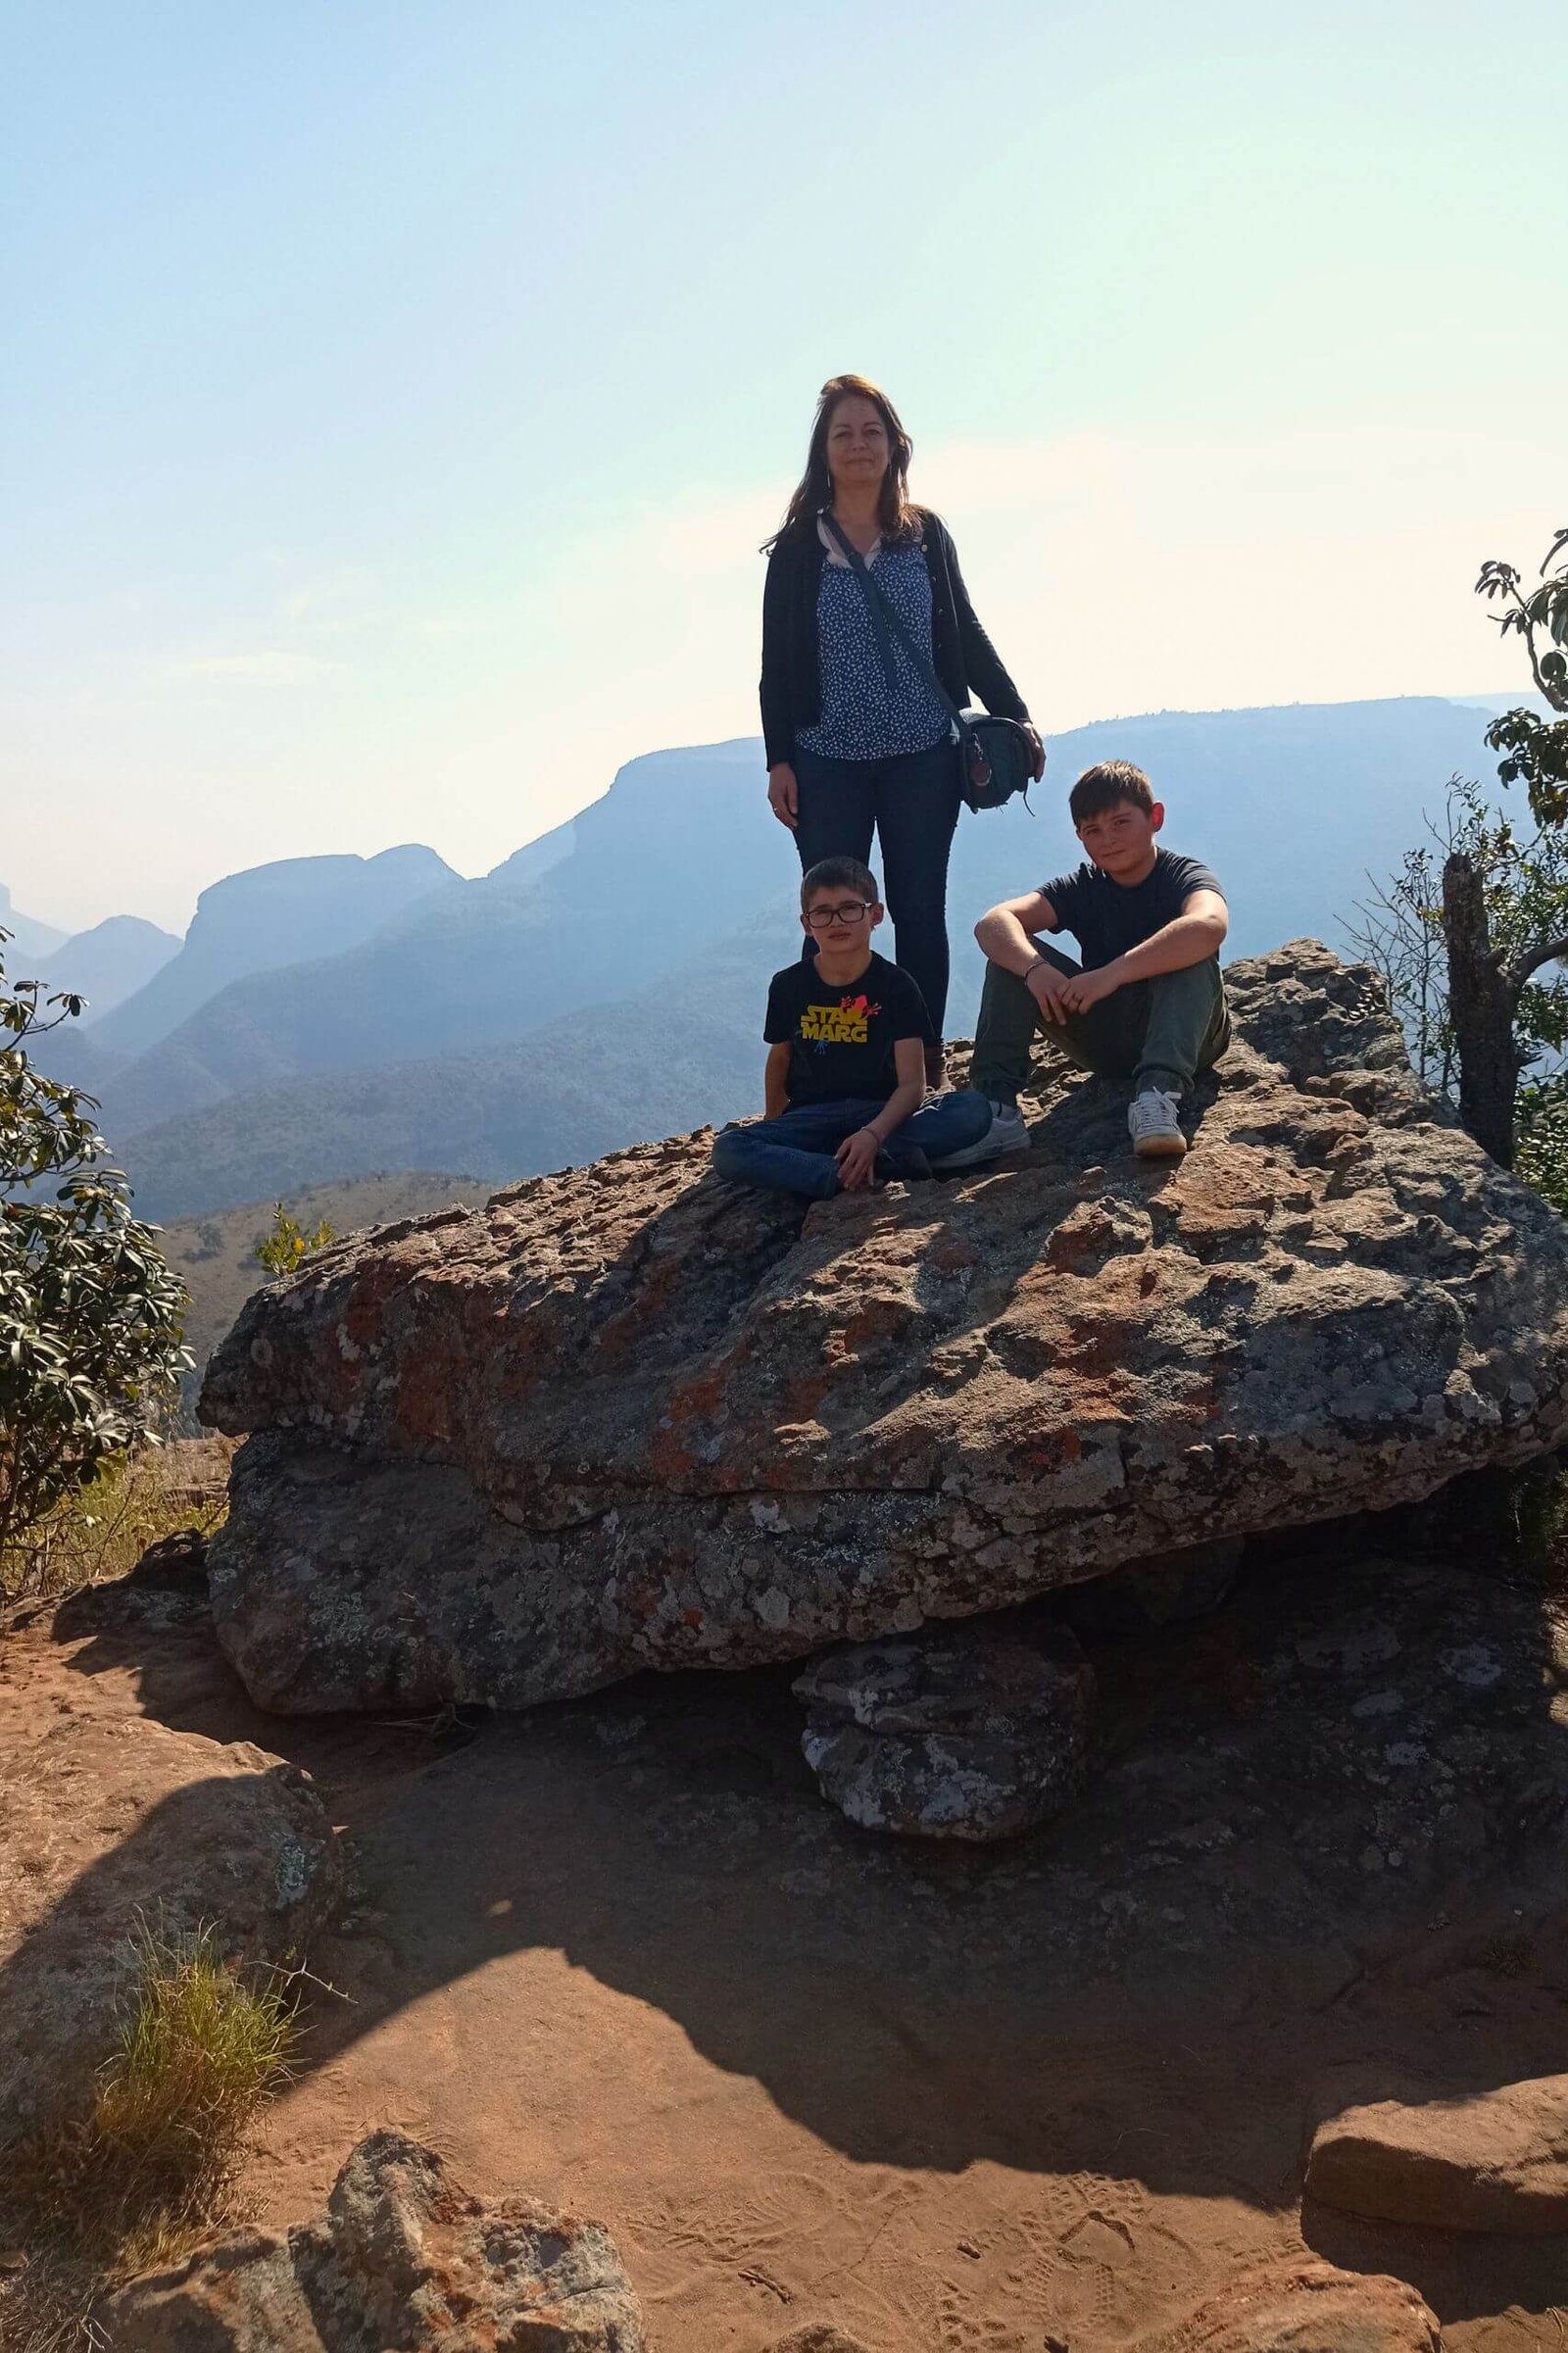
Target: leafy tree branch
90, 1314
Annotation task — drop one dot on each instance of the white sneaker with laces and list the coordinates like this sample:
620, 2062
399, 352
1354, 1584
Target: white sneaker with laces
1006, 1133
1154, 1127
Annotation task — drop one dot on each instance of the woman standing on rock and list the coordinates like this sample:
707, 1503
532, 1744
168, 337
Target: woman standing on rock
857, 740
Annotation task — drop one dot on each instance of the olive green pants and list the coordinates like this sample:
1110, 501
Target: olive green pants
1158, 1032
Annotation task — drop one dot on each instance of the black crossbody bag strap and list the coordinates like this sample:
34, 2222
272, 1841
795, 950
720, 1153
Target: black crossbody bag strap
976, 772
884, 617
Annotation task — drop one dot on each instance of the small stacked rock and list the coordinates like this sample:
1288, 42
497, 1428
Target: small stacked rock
970, 1731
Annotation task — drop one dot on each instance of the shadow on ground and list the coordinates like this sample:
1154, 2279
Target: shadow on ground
1322, 1847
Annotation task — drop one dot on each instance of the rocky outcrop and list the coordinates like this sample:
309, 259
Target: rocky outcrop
110, 1822
977, 1733
402, 2257
1294, 2305
1496, 2161
628, 1416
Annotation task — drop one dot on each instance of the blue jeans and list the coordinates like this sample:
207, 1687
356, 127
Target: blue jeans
912, 801
793, 1153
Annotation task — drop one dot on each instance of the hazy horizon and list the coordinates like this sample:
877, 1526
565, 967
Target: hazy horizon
23, 904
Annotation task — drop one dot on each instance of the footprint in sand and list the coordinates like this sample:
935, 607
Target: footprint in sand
1093, 2262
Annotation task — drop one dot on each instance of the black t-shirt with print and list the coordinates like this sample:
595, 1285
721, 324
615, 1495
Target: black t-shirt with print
1107, 917
840, 1034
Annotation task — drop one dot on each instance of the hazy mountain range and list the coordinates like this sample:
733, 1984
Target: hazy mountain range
111, 961
329, 1016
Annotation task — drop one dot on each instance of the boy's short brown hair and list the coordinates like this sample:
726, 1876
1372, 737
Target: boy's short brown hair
1105, 784
839, 874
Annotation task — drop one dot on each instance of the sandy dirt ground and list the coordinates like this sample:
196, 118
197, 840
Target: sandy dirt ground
621, 1955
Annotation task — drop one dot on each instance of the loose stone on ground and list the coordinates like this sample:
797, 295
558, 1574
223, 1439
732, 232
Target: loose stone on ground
402, 2257
110, 1822
1299, 2306
1496, 2161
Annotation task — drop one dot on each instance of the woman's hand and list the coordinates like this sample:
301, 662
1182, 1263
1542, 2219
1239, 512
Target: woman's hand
1037, 746
783, 794
857, 1158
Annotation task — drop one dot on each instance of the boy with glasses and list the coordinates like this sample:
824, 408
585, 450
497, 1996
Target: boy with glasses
845, 1083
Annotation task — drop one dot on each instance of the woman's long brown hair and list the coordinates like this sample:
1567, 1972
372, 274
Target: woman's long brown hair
814, 491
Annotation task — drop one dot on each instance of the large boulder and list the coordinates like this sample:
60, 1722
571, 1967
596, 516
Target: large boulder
402, 2257
628, 1416
112, 1824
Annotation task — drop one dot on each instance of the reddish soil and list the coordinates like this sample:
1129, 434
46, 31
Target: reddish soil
621, 1955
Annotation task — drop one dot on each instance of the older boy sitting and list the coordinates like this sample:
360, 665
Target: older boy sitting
1146, 1004
847, 1034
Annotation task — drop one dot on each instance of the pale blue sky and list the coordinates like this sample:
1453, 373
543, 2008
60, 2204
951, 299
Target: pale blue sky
395, 395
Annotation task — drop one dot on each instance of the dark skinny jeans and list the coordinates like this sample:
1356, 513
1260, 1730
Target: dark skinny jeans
910, 801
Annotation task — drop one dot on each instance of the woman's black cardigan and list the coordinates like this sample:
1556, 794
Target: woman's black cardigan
791, 679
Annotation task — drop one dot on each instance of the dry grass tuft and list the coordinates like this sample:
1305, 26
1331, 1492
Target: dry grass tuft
203, 2047
104, 1527
48, 2309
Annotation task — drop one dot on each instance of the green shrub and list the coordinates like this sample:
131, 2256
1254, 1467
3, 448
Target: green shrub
90, 1314
102, 1528
1541, 1153
282, 1249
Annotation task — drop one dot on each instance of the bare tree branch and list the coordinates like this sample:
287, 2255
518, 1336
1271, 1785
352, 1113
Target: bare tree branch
1530, 959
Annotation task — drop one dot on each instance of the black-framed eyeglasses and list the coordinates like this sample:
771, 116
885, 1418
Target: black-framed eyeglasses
847, 910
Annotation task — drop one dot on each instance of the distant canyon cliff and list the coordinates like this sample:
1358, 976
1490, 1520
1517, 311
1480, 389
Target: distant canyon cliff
328, 1017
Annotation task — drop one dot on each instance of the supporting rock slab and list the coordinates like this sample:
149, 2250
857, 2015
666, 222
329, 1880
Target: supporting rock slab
628, 1416
973, 1732
1495, 2162
402, 2257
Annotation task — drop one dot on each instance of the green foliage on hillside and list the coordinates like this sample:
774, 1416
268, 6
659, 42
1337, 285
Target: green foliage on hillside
90, 1314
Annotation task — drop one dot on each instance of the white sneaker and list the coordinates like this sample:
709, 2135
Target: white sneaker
1006, 1133
1154, 1128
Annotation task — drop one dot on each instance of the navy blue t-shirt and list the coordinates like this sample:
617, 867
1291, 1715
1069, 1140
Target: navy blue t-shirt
841, 1036
1107, 917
